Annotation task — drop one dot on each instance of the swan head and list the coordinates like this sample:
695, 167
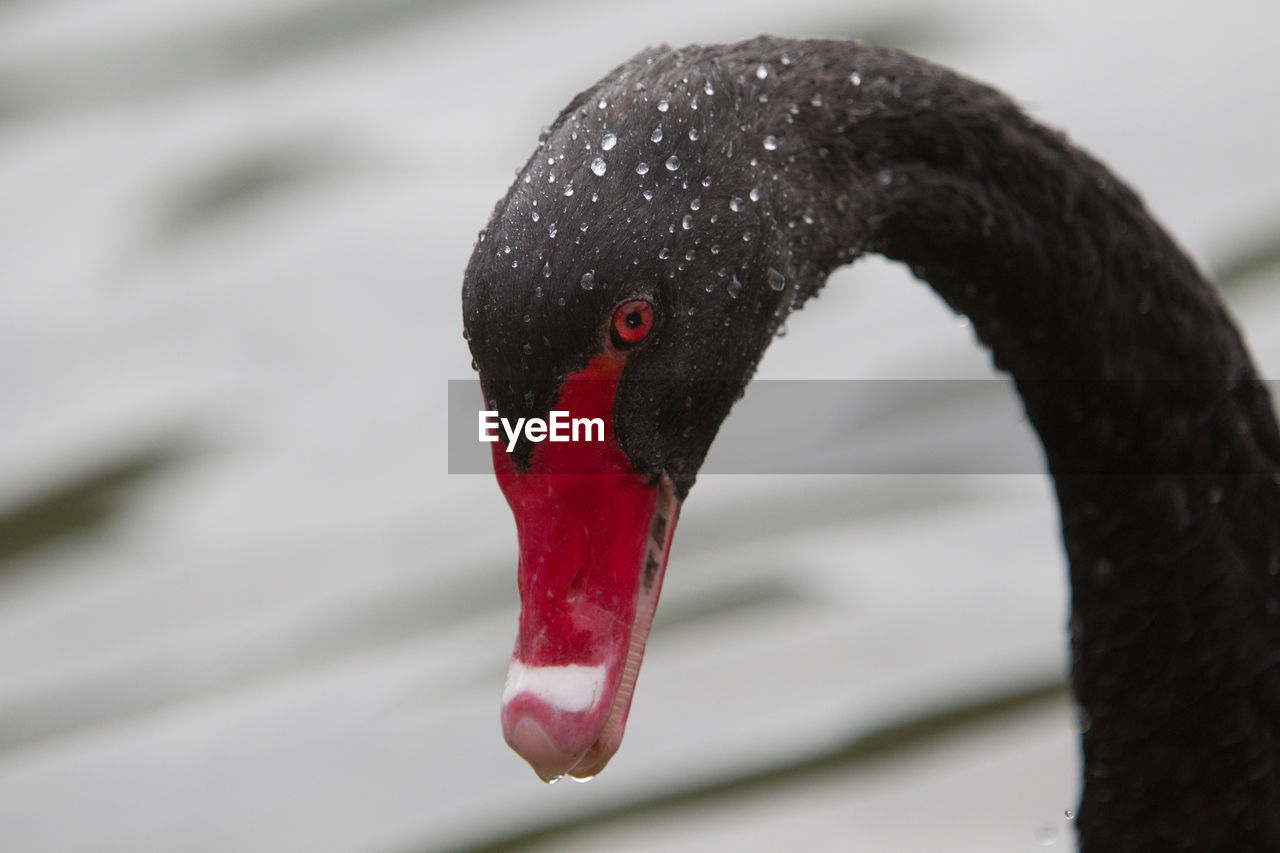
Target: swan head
633, 274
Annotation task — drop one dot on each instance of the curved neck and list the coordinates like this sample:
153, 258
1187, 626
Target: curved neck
1161, 440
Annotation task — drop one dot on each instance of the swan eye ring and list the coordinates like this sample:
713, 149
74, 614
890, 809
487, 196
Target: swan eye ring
632, 321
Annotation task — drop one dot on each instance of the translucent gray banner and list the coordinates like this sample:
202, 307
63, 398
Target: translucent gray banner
841, 427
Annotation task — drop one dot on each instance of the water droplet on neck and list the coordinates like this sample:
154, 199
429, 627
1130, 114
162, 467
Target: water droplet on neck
735, 204
663, 105
673, 163
771, 143
754, 195
588, 281
601, 104
656, 136
546, 270
642, 168
608, 141
761, 72
735, 287
777, 280
687, 222
599, 166
648, 195
708, 88
855, 78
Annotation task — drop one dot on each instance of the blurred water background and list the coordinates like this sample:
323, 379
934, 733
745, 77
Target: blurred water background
243, 605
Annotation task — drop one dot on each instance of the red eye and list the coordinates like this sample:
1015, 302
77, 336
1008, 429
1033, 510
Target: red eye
632, 321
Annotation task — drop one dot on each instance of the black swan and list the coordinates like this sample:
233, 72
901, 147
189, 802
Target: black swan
671, 217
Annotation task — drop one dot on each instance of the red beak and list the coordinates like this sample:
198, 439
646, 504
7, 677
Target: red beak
594, 538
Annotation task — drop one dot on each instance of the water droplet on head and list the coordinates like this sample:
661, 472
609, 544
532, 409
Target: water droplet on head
754, 195
855, 78
673, 163
663, 105
599, 166
735, 204
588, 281
734, 287
475, 365
551, 230
551, 177
537, 292
693, 134
695, 204
1069, 814
546, 270
664, 254
608, 141
687, 222
568, 189
560, 301
535, 216
648, 195
656, 136
601, 104
642, 168
708, 88
777, 280
771, 143
528, 349
761, 72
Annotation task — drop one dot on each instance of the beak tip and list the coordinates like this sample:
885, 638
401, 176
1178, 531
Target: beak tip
532, 743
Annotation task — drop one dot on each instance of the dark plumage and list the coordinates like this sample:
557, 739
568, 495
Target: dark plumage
792, 158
